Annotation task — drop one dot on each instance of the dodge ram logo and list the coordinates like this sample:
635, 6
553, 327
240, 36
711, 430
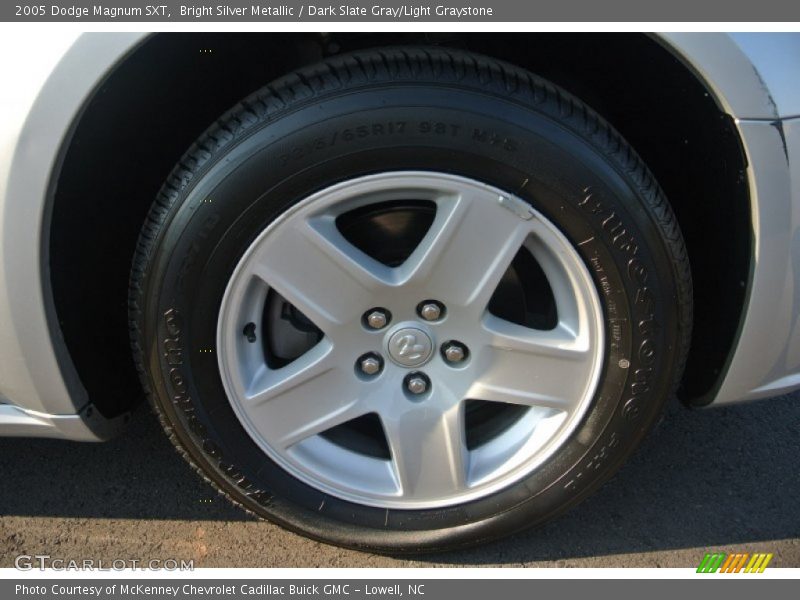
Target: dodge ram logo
410, 347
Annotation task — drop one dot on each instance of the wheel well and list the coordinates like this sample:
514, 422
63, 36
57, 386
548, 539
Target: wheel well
165, 93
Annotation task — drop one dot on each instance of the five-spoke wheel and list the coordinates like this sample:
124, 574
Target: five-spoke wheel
409, 299
424, 340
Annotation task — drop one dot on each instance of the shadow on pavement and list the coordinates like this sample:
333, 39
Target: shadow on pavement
726, 476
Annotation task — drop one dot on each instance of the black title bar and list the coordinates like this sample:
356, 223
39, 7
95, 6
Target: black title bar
216, 11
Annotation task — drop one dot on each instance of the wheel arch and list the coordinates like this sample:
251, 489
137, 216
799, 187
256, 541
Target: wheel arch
166, 89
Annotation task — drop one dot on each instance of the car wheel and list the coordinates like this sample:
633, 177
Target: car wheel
409, 300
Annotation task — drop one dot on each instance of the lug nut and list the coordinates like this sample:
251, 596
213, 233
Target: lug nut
454, 352
370, 364
430, 311
376, 318
417, 385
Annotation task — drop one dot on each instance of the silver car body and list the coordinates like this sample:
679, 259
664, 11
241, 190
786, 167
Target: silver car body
40, 391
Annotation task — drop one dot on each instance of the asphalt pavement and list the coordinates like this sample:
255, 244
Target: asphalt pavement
723, 479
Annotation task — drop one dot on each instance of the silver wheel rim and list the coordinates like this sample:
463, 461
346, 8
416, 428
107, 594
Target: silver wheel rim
475, 234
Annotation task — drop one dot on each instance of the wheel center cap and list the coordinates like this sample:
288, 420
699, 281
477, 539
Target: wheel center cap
410, 347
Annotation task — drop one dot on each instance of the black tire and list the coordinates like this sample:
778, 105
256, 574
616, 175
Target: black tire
505, 127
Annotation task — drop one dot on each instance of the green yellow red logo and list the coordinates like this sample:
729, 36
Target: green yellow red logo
743, 562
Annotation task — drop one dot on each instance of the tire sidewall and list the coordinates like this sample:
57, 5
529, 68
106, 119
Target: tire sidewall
579, 186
